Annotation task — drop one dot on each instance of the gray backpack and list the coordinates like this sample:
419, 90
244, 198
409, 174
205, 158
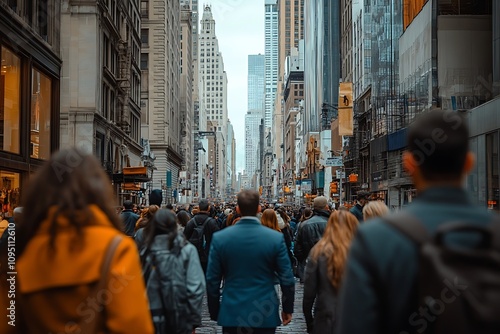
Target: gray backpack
459, 287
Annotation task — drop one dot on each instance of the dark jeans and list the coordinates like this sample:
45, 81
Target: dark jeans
248, 330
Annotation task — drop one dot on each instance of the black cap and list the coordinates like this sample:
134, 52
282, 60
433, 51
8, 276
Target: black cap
156, 197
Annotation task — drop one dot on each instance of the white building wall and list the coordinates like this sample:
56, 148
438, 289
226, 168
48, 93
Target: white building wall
214, 90
271, 52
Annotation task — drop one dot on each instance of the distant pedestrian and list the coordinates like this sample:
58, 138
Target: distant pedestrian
324, 270
200, 229
143, 224
183, 217
129, 218
64, 241
311, 230
374, 209
156, 197
247, 256
361, 200
174, 277
270, 219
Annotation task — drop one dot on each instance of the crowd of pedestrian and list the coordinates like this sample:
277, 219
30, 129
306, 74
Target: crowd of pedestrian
83, 268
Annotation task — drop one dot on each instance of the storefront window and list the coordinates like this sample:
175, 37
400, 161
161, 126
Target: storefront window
41, 104
10, 83
9, 192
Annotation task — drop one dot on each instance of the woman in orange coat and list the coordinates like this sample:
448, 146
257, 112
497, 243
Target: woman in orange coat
63, 239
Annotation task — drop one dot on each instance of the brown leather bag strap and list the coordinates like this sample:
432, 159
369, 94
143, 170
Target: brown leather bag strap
90, 327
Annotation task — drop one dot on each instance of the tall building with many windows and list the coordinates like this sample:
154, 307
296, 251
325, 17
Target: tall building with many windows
160, 95
100, 92
272, 65
252, 139
256, 82
231, 160
186, 102
214, 96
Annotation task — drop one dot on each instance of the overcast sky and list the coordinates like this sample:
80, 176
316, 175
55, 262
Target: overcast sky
239, 26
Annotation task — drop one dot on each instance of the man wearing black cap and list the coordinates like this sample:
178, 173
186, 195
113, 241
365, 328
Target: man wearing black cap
199, 231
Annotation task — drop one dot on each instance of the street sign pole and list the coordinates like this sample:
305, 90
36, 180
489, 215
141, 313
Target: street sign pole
340, 186
341, 174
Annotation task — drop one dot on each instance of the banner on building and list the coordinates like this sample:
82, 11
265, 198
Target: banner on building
411, 8
346, 122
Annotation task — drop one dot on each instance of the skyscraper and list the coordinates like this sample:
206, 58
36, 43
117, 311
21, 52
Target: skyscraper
256, 82
214, 94
271, 50
160, 95
252, 122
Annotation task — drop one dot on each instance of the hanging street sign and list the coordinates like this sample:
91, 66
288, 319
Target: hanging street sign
333, 162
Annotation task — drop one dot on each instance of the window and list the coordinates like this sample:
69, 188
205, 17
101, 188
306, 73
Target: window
144, 61
41, 106
145, 9
10, 94
145, 36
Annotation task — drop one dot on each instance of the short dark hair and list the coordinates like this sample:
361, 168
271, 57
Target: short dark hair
439, 142
203, 204
169, 206
248, 202
362, 194
128, 205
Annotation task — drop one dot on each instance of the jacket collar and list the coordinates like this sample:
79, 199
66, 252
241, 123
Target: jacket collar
444, 194
249, 220
323, 213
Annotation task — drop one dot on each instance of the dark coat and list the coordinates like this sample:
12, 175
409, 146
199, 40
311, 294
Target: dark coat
317, 287
248, 256
357, 211
129, 219
309, 233
378, 292
210, 229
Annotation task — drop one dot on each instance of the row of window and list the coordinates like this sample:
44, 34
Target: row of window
39, 14
12, 93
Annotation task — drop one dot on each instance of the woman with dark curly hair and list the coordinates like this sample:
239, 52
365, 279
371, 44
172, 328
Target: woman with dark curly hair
71, 249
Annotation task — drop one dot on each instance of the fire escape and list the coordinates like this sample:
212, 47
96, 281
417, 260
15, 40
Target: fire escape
124, 85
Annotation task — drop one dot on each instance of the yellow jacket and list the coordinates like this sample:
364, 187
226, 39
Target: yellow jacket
55, 286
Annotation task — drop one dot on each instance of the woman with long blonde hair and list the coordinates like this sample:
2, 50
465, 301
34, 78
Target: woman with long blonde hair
374, 209
324, 270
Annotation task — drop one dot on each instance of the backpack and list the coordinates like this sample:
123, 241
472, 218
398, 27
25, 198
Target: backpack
458, 287
221, 221
199, 239
165, 276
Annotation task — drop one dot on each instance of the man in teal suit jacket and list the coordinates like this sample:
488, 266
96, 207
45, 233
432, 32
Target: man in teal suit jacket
249, 257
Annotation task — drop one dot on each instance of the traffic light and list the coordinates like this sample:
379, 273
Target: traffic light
334, 187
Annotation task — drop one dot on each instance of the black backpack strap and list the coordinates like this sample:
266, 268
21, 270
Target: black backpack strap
408, 225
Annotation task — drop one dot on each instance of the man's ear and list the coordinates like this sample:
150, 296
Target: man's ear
259, 208
409, 163
238, 210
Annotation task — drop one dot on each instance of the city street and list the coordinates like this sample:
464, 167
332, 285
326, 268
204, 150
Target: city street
298, 324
